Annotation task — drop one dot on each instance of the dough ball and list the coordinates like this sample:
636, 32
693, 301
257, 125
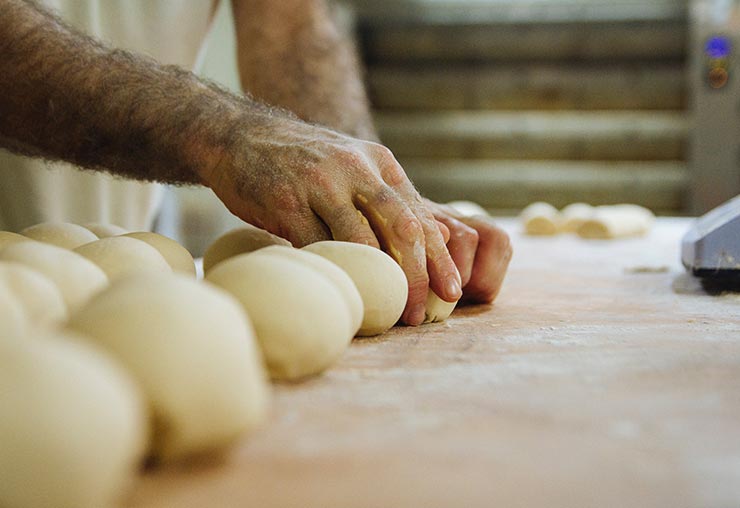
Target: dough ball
120, 257
72, 425
104, 230
437, 310
13, 320
467, 208
573, 215
239, 241
540, 219
177, 256
300, 316
338, 276
191, 348
40, 298
380, 281
61, 234
617, 221
77, 278
7, 238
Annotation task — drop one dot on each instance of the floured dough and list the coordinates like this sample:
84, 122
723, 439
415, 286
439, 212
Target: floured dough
239, 241
40, 298
77, 278
574, 215
72, 425
338, 276
617, 221
120, 257
7, 238
379, 279
61, 234
301, 318
468, 208
540, 219
13, 320
177, 256
104, 230
192, 350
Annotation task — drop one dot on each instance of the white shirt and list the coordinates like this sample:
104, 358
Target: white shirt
32, 190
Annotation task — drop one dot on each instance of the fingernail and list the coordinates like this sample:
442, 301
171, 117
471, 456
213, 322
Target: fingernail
453, 289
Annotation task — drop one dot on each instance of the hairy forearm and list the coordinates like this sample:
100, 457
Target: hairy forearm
292, 54
65, 96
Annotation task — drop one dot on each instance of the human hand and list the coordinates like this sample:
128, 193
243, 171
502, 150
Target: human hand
481, 251
306, 183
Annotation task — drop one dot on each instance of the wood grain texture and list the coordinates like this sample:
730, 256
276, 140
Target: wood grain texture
603, 376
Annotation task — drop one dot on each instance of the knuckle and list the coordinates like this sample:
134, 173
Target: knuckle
350, 159
408, 227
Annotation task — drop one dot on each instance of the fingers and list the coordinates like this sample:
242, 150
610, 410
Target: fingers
462, 245
346, 223
491, 261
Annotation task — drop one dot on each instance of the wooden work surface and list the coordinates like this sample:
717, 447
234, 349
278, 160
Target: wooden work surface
603, 376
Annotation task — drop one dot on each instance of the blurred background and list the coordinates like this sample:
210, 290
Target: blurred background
506, 102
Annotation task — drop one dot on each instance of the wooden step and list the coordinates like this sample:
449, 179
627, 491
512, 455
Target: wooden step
597, 135
660, 186
518, 86
512, 42
384, 12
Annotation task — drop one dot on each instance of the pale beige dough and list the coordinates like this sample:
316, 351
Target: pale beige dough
39, 297
540, 219
379, 279
338, 276
574, 215
120, 257
177, 256
61, 234
13, 319
239, 241
302, 321
192, 349
77, 278
7, 238
617, 221
468, 208
72, 425
104, 230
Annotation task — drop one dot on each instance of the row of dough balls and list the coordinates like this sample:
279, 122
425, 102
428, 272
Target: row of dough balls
594, 222
104, 344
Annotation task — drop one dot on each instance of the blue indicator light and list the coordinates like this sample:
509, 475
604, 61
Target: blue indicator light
718, 47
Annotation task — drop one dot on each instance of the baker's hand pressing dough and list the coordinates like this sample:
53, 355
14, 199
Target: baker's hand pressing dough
302, 321
120, 257
192, 350
104, 230
239, 241
540, 219
380, 281
177, 256
39, 297
338, 276
617, 221
7, 238
77, 278
61, 234
72, 425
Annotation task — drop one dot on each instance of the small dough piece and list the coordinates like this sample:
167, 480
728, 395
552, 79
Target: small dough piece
13, 319
192, 350
574, 215
77, 278
301, 318
7, 238
40, 297
437, 310
239, 241
62, 234
120, 257
72, 425
105, 230
338, 276
380, 280
540, 219
468, 208
177, 256
617, 221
